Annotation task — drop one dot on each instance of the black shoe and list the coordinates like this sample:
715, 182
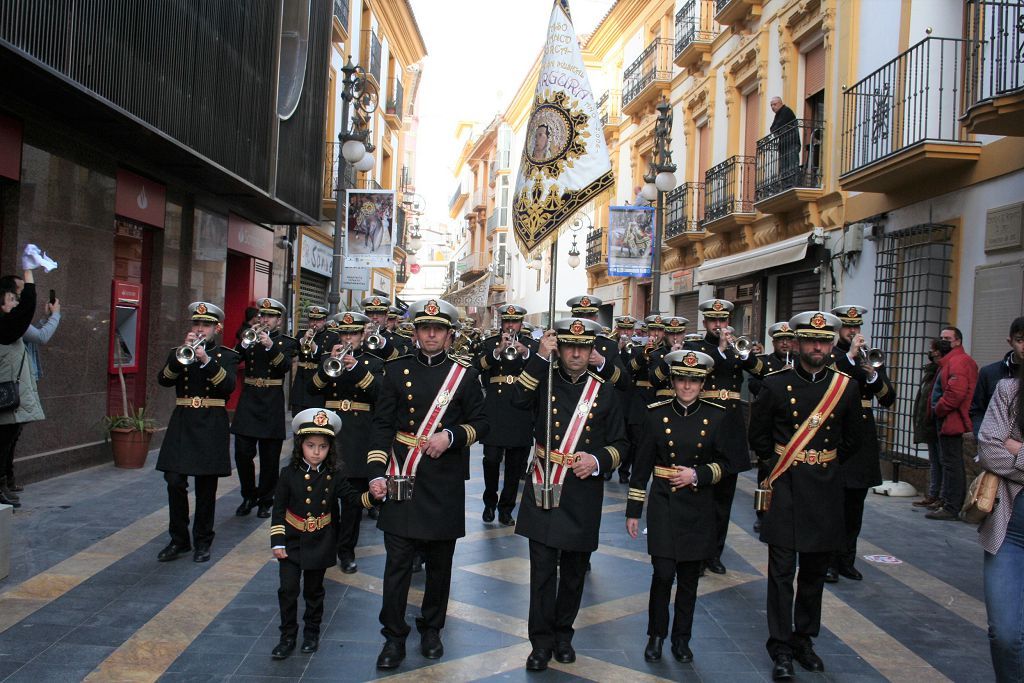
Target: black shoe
652, 653
431, 646
538, 659
264, 510
809, 659
348, 566
172, 552
283, 649
506, 519
373, 513
14, 485
391, 655
310, 645
850, 573
715, 565
783, 669
246, 507
831, 575
564, 652
4, 500
488, 515
202, 554
681, 651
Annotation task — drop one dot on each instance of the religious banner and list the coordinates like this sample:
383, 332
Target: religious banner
629, 240
473, 294
369, 215
565, 160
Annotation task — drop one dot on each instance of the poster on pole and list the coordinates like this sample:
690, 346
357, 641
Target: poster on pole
369, 224
630, 240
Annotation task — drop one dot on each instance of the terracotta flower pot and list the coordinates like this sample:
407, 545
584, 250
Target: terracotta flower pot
130, 447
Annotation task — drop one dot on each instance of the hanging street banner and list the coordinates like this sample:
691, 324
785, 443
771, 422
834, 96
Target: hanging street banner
473, 294
629, 240
369, 224
565, 160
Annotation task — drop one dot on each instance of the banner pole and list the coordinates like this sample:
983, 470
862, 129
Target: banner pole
547, 492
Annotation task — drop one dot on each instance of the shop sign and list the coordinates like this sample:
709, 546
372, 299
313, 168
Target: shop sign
381, 284
316, 256
682, 280
355, 278
10, 148
140, 199
249, 238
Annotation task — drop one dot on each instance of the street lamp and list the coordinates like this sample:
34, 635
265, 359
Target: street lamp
415, 240
659, 180
355, 88
581, 222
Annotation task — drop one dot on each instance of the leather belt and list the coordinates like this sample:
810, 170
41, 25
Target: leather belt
504, 379
721, 394
811, 457
865, 403
346, 406
309, 524
262, 382
200, 402
643, 383
308, 366
557, 457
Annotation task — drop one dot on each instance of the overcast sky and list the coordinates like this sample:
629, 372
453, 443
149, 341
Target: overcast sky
478, 52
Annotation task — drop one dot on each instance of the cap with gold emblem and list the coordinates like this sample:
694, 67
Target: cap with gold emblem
676, 324
584, 305
316, 312
852, 316
316, 421
815, 325
781, 330
512, 313
527, 328
405, 329
693, 337
270, 306
349, 321
576, 331
204, 311
685, 363
434, 311
715, 308
625, 322
655, 322
375, 304
394, 313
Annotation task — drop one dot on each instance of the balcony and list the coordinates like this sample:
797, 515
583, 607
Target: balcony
609, 110
479, 202
401, 274
472, 265
903, 121
330, 189
393, 109
729, 195
372, 59
595, 250
648, 78
406, 185
684, 208
457, 200
341, 10
696, 29
994, 78
730, 12
502, 162
789, 167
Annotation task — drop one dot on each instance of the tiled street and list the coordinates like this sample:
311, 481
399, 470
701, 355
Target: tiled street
87, 599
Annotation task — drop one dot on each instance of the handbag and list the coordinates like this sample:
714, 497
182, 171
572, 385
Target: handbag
10, 391
981, 498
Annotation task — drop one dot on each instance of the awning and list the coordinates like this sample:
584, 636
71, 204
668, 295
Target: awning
769, 256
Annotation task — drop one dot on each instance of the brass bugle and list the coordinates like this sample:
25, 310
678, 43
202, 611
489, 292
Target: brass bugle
740, 345
252, 335
874, 357
333, 367
375, 341
509, 352
186, 354
306, 343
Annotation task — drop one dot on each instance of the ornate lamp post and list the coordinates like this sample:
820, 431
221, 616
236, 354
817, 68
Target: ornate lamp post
357, 89
581, 222
660, 179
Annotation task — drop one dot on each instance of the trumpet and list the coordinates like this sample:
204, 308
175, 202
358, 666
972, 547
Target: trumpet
252, 335
509, 352
375, 341
186, 354
873, 357
740, 345
333, 367
306, 343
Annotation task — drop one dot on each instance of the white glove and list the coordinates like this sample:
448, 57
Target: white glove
33, 258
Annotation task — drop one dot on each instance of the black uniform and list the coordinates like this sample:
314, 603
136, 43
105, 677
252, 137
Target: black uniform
394, 346
353, 396
197, 442
562, 538
680, 523
309, 498
306, 365
806, 515
862, 470
435, 516
511, 432
259, 418
773, 362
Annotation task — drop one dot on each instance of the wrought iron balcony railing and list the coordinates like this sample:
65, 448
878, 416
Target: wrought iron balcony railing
394, 106
595, 247
374, 56
609, 106
406, 185
401, 275
341, 11
729, 188
653, 64
684, 210
695, 22
995, 49
912, 99
331, 150
790, 157
458, 194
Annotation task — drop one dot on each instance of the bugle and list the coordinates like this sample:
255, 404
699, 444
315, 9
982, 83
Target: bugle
375, 341
509, 352
186, 354
333, 367
252, 335
873, 357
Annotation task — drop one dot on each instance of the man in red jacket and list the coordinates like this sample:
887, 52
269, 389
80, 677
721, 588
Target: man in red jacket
958, 374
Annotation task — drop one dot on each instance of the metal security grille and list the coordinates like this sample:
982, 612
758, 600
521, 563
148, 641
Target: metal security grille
312, 291
796, 293
912, 292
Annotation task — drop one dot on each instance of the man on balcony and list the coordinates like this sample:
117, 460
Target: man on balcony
787, 142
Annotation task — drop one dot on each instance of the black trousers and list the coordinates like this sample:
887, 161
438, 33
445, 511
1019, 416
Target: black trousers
9, 434
515, 464
437, 556
794, 619
556, 589
665, 570
177, 505
270, 464
853, 515
348, 522
725, 491
290, 574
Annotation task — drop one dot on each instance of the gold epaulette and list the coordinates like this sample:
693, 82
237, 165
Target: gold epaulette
392, 360
713, 405
656, 404
464, 362
596, 376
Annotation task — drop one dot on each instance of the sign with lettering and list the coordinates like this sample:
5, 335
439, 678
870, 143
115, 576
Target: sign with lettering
381, 284
1004, 228
356, 278
250, 238
316, 256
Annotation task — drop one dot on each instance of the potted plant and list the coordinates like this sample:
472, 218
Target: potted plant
129, 437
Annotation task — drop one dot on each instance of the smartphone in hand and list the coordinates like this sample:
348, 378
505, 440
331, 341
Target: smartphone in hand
53, 296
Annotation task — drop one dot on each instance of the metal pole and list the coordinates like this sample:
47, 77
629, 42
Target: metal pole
547, 493
334, 297
656, 265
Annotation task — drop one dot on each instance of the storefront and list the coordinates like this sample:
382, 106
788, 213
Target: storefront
316, 257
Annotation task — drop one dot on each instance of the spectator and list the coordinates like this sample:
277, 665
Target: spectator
924, 428
958, 375
1002, 533
990, 375
787, 140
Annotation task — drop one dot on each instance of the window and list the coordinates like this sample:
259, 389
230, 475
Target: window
503, 201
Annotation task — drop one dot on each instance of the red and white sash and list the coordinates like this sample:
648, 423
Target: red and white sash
437, 410
572, 437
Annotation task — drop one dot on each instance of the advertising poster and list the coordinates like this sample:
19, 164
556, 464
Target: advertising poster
630, 240
370, 221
